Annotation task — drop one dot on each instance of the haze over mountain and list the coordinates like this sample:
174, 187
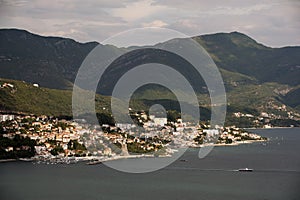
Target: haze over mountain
254, 74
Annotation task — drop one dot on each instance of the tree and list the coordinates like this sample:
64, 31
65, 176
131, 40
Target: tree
173, 115
56, 150
1, 129
228, 141
104, 118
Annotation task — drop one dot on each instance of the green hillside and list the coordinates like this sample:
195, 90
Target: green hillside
26, 98
257, 78
239, 53
53, 61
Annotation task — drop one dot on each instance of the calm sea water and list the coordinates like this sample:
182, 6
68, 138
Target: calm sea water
276, 175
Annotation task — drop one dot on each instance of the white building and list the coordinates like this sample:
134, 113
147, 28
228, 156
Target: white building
151, 117
125, 126
160, 121
6, 117
211, 132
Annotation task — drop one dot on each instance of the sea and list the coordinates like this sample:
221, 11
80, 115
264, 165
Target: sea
275, 164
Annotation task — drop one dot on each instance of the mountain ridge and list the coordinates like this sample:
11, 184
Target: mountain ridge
233, 51
245, 64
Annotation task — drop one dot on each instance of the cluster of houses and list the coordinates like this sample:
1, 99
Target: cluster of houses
233, 135
273, 111
49, 133
157, 133
62, 138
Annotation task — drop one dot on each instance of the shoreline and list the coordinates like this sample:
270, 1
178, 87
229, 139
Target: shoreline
118, 158
231, 144
152, 156
98, 160
239, 143
8, 160
277, 127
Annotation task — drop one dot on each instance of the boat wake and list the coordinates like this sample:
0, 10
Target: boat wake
236, 170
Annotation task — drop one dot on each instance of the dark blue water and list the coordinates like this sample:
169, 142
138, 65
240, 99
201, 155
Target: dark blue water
276, 175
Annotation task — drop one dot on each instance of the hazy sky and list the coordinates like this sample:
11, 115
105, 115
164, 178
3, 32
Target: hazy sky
272, 22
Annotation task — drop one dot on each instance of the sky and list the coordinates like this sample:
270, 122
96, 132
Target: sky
274, 23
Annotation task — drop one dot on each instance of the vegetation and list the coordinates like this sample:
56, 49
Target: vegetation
136, 148
75, 145
22, 147
56, 150
254, 76
26, 98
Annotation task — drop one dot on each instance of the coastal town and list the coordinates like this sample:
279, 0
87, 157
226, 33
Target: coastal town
44, 138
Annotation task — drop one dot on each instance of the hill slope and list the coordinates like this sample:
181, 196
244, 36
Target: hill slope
49, 61
257, 78
53, 61
239, 53
25, 98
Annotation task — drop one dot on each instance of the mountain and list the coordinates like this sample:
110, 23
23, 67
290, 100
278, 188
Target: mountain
53, 61
49, 61
257, 78
237, 52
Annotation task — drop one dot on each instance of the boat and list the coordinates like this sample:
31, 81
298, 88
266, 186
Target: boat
245, 170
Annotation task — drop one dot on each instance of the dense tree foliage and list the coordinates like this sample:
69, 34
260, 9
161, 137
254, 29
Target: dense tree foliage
22, 147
